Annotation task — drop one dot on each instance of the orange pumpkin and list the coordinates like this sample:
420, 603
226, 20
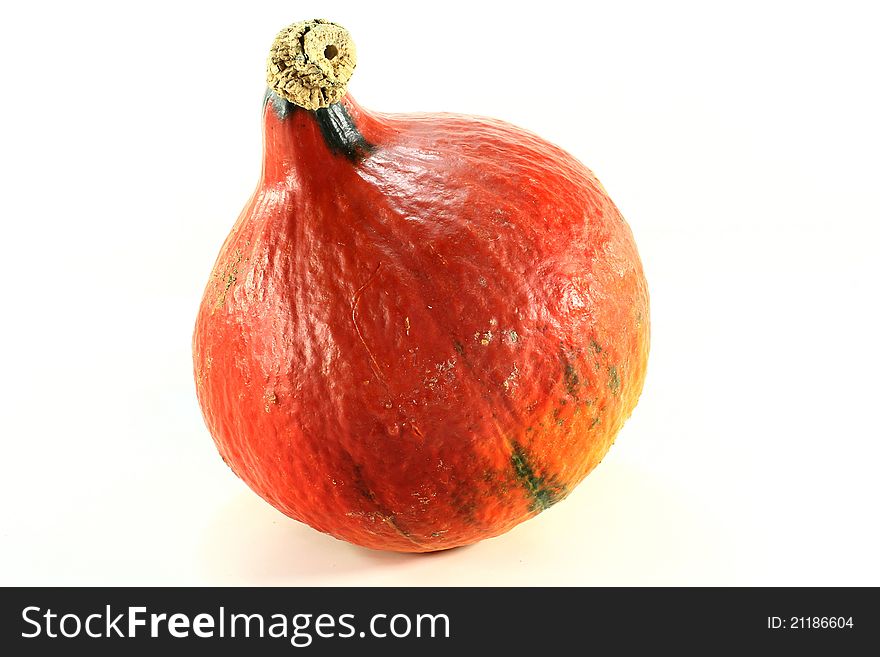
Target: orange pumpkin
422, 329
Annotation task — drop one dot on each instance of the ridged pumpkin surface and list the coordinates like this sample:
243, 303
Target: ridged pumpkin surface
422, 343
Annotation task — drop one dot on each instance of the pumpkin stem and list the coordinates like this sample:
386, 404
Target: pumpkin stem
310, 63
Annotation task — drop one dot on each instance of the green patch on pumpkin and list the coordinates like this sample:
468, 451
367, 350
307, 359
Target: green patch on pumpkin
571, 378
543, 492
613, 380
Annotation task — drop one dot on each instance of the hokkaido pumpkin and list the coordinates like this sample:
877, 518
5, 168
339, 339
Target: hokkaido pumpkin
423, 329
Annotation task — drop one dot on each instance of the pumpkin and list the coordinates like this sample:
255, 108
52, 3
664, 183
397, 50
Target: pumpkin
423, 329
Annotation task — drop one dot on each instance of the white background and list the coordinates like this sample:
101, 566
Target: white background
741, 143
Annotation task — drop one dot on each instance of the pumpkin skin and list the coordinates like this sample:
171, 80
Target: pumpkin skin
421, 334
